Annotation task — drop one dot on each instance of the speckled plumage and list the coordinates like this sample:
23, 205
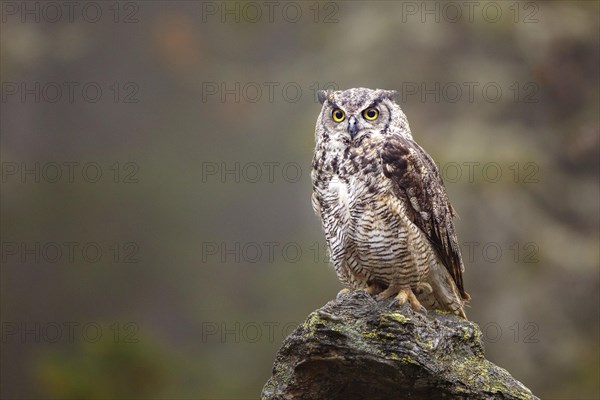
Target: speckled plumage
382, 203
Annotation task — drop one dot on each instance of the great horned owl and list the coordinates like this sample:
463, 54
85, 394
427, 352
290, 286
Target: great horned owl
382, 203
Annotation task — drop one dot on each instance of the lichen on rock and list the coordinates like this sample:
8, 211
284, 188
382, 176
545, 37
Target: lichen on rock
356, 347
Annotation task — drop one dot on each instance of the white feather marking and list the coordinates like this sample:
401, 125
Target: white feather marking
340, 190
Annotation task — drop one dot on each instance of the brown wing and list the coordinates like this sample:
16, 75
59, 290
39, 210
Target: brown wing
418, 182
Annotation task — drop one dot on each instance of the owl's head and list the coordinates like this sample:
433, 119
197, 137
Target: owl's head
350, 115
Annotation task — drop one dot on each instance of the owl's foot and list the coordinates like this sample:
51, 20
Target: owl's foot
373, 288
342, 293
406, 294
424, 288
403, 295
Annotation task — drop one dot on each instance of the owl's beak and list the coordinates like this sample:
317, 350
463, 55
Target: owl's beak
352, 127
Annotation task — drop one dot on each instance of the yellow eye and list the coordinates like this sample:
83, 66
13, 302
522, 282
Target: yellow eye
371, 114
338, 115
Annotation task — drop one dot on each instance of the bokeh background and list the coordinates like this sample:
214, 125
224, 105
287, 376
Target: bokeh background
178, 272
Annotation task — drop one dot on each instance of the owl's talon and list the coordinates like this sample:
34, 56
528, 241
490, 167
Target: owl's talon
406, 295
424, 288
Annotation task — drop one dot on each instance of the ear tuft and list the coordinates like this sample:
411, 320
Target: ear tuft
322, 95
391, 94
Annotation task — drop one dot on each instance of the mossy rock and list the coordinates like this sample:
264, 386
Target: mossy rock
358, 348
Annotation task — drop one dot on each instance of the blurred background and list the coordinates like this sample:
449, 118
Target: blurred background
157, 235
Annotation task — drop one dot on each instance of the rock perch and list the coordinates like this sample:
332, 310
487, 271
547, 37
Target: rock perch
357, 347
